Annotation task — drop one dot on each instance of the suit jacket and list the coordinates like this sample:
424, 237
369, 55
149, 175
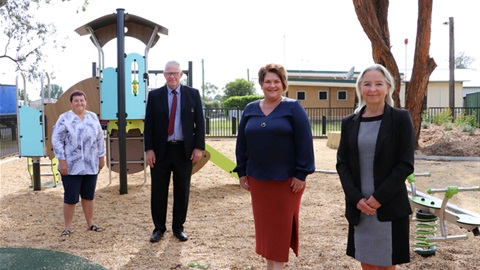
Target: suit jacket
393, 162
191, 119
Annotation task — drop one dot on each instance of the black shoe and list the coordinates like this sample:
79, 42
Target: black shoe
181, 236
156, 236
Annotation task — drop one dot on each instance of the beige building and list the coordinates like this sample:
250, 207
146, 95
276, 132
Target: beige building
322, 89
336, 89
438, 93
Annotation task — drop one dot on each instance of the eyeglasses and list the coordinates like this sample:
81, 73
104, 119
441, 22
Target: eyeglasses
168, 74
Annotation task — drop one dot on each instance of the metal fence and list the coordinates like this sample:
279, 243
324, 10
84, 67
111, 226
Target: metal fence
433, 112
8, 141
224, 123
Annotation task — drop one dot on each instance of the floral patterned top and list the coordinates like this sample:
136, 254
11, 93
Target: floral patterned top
80, 143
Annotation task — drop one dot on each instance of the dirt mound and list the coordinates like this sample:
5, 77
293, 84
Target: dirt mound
436, 141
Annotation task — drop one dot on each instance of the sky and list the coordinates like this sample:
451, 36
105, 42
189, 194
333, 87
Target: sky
235, 38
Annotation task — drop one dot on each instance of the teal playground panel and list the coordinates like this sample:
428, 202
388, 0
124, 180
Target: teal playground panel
108, 94
30, 132
134, 98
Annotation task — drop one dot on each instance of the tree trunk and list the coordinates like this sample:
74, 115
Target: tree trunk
423, 65
373, 16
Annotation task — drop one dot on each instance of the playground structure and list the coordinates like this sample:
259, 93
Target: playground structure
32, 136
432, 212
117, 95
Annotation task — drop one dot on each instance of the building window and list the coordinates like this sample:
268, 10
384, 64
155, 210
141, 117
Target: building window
342, 95
322, 95
300, 95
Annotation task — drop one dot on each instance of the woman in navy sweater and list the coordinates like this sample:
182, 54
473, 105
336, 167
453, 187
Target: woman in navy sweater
274, 156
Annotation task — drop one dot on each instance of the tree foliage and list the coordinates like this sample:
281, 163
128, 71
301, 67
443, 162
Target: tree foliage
21, 95
55, 91
24, 38
211, 92
240, 101
463, 61
239, 87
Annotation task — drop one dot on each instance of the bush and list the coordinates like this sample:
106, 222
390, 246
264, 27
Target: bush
469, 129
447, 126
444, 116
467, 119
425, 117
240, 101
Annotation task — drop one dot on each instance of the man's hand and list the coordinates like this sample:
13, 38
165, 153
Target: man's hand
150, 158
196, 155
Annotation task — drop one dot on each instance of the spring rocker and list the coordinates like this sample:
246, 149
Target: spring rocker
431, 213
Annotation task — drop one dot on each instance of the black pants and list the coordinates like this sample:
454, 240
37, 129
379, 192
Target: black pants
174, 162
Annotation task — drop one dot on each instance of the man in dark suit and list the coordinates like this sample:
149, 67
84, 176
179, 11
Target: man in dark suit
174, 140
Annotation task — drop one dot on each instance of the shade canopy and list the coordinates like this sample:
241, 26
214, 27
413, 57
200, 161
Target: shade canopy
105, 29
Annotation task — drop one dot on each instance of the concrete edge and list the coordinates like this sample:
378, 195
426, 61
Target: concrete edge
9, 159
446, 158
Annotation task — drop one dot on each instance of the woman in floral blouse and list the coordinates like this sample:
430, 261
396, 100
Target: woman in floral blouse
79, 145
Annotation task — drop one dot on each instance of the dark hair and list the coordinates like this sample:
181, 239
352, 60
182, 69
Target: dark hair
77, 93
274, 68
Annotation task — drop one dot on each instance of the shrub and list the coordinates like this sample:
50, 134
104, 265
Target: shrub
467, 119
447, 126
444, 116
239, 101
469, 129
425, 117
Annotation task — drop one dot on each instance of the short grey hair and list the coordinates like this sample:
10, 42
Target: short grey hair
173, 63
388, 78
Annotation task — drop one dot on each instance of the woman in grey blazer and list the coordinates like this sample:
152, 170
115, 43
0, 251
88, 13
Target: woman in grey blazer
375, 156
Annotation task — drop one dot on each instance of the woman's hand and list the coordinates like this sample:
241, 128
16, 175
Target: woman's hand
101, 163
363, 206
373, 203
63, 167
297, 185
244, 183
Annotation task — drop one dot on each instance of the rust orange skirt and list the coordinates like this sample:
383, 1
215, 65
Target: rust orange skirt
275, 213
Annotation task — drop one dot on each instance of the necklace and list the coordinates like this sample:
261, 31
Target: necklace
269, 110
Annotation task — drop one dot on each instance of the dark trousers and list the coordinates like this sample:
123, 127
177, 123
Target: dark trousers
174, 162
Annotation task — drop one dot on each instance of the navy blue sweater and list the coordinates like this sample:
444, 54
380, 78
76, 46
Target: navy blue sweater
275, 147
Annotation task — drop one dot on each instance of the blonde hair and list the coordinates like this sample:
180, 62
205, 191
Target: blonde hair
388, 79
